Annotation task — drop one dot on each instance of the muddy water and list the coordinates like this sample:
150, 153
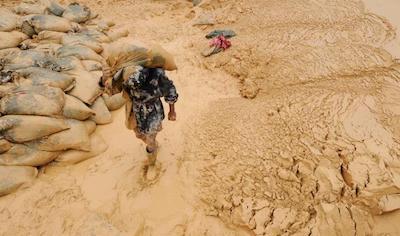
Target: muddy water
317, 151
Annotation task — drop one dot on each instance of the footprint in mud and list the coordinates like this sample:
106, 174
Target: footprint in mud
150, 174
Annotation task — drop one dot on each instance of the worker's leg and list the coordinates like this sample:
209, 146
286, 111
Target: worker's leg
152, 148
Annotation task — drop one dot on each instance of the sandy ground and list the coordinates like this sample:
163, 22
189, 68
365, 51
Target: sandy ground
315, 153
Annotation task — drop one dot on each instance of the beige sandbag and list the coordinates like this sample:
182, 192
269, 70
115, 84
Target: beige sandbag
55, 8
49, 48
76, 109
90, 126
50, 36
6, 88
20, 59
117, 34
78, 51
70, 64
91, 65
86, 88
33, 100
73, 156
77, 13
102, 114
14, 177
23, 128
23, 155
29, 9
8, 20
42, 76
114, 102
11, 39
50, 23
76, 137
127, 52
83, 40
4, 146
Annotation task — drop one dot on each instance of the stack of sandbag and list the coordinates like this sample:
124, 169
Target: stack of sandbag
50, 101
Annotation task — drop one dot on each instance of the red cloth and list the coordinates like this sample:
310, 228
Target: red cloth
220, 42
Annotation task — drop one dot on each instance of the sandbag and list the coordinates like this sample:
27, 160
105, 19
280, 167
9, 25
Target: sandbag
76, 109
117, 34
78, 51
114, 102
42, 76
102, 114
77, 13
48, 48
33, 100
29, 9
55, 8
70, 64
76, 137
8, 20
5, 145
90, 126
23, 155
97, 35
6, 88
128, 52
11, 39
83, 40
91, 65
50, 36
20, 59
86, 88
23, 128
15, 177
50, 23
98, 146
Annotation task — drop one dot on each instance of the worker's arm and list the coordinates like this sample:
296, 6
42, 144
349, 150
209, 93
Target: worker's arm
172, 113
170, 95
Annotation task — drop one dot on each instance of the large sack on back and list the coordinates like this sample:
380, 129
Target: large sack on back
29, 9
102, 115
98, 146
23, 155
76, 109
114, 102
78, 51
11, 39
51, 23
128, 52
76, 137
14, 177
77, 13
91, 65
50, 36
5, 145
42, 76
8, 20
86, 88
33, 100
83, 40
23, 128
